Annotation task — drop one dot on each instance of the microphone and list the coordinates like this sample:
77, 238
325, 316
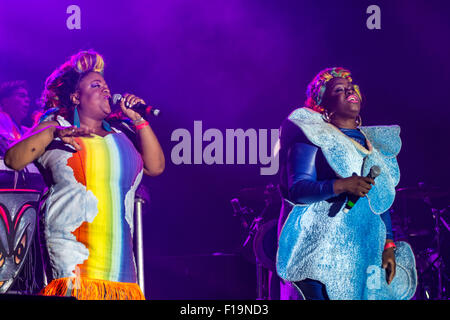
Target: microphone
140, 108
352, 199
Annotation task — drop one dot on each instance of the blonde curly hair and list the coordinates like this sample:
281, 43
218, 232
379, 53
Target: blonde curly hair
65, 80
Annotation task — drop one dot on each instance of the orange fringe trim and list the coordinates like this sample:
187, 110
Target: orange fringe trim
92, 289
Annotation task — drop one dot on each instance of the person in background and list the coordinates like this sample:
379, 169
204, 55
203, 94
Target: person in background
15, 109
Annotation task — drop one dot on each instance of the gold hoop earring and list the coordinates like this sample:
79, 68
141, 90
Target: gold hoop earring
358, 121
327, 116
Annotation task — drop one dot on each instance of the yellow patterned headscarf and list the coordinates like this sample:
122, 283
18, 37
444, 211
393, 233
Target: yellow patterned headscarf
317, 87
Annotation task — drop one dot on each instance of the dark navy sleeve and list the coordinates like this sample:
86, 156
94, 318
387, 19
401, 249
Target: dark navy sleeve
302, 176
386, 217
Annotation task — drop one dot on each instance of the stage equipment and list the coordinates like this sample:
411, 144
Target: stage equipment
260, 244
142, 196
18, 218
422, 220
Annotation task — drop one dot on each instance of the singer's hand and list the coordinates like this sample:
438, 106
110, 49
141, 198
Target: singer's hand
356, 185
68, 135
388, 263
126, 104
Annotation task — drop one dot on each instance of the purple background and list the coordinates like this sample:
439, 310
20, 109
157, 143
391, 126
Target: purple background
240, 64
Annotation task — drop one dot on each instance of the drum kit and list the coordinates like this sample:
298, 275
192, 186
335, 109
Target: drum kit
258, 210
420, 216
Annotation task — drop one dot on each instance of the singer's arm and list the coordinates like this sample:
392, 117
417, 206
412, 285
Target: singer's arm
31, 147
35, 141
302, 176
386, 217
305, 188
148, 144
388, 256
151, 151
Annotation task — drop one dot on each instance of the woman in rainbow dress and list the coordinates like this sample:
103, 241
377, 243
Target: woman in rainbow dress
92, 167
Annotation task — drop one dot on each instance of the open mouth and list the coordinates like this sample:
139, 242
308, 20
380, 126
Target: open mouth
352, 98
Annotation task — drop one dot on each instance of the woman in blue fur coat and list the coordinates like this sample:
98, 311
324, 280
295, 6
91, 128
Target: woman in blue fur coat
325, 157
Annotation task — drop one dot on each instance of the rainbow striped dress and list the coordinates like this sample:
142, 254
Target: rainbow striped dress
88, 216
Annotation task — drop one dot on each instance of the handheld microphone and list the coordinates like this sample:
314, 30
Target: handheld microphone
140, 108
352, 199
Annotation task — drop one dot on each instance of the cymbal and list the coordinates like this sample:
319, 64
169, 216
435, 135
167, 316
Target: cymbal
259, 193
421, 192
419, 233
